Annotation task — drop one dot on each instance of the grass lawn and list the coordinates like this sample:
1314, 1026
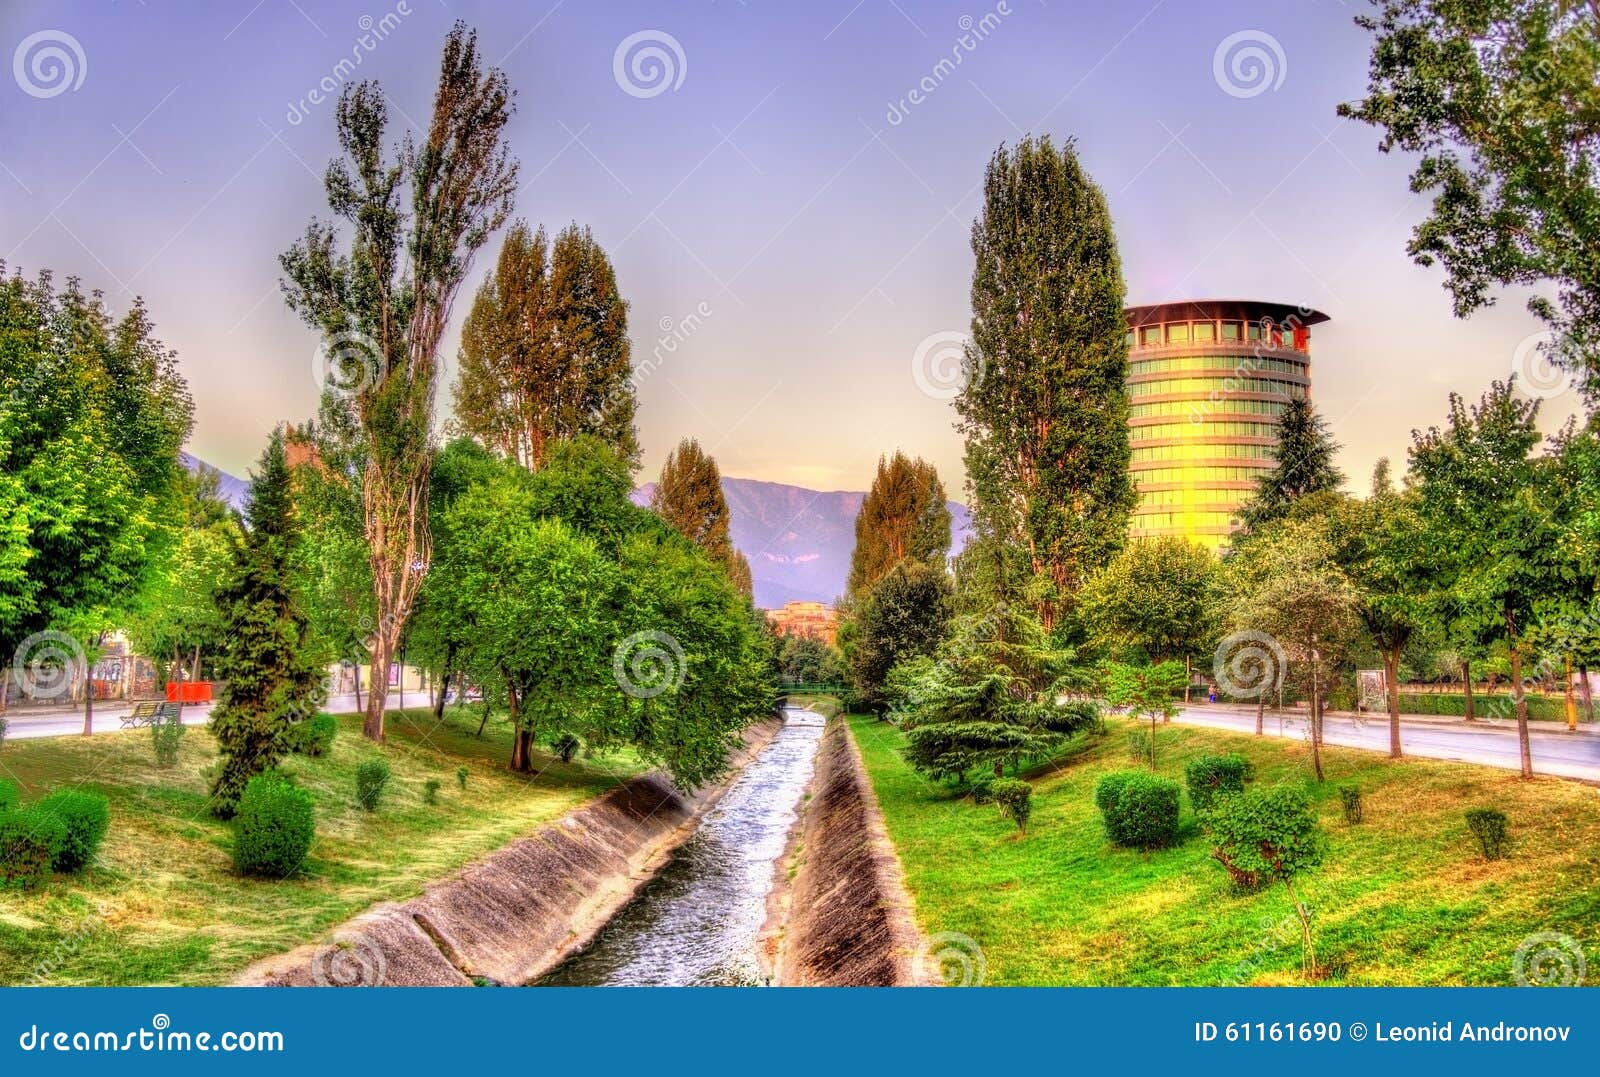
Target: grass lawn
1403, 898
163, 905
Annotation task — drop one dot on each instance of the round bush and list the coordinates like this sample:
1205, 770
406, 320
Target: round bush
273, 827
1488, 825
1140, 810
1015, 798
1264, 835
85, 818
314, 736
1211, 776
29, 841
371, 777
166, 736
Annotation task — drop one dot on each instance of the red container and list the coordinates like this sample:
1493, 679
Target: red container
189, 692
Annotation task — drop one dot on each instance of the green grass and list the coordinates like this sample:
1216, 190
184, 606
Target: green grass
1403, 898
162, 904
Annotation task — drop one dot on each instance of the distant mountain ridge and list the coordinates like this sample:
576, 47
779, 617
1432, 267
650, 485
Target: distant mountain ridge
798, 541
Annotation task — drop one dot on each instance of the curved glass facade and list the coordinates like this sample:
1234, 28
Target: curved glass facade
1207, 380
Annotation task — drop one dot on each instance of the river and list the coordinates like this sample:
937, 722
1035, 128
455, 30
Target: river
697, 923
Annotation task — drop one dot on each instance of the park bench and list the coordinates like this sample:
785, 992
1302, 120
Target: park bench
151, 712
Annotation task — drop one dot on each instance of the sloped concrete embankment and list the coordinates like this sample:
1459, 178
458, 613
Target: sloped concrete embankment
517, 913
840, 914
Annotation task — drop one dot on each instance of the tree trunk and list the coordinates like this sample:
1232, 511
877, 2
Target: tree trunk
1466, 689
1572, 703
358, 686
1391, 675
1316, 712
1521, 703
1261, 711
88, 697
5, 685
1308, 954
1188, 675
194, 668
378, 687
438, 704
522, 740
1583, 688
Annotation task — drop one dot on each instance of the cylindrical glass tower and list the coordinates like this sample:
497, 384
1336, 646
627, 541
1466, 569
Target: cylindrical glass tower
1207, 379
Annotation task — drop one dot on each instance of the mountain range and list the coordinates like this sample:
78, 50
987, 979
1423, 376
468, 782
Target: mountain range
798, 541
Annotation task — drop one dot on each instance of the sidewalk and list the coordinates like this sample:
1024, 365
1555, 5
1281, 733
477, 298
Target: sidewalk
29, 721
1536, 726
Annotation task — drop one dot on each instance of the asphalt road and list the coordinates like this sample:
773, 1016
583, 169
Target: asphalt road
27, 724
1569, 755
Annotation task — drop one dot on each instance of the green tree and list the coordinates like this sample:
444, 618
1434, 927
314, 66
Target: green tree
1304, 467
1288, 586
1158, 597
544, 350
1145, 692
1499, 99
1045, 410
92, 413
904, 515
689, 498
273, 679
1497, 540
990, 698
808, 660
382, 304
1263, 836
1387, 561
902, 615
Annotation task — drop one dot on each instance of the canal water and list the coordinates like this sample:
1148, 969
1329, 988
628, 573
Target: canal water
697, 922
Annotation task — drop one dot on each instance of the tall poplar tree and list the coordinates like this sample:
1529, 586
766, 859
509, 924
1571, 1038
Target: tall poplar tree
381, 304
544, 350
689, 498
1045, 410
273, 676
904, 516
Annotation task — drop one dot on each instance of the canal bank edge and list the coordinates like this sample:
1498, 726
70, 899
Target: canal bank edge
839, 914
513, 915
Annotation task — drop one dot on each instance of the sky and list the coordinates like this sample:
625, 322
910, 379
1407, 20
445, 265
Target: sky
771, 191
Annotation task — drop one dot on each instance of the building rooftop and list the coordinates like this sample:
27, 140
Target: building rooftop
1241, 309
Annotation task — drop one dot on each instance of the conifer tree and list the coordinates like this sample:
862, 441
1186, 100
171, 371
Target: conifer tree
1305, 466
904, 516
274, 677
689, 498
1045, 410
544, 350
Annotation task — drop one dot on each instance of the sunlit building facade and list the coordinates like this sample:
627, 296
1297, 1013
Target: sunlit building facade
1207, 380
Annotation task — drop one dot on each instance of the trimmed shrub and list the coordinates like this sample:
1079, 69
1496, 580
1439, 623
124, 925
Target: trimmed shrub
29, 842
1015, 798
461, 777
1488, 825
1140, 810
273, 828
10, 795
314, 736
430, 791
1350, 798
1263, 835
166, 736
371, 777
85, 818
1211, 776
983, 790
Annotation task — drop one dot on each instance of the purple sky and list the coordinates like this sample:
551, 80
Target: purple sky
766, 183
